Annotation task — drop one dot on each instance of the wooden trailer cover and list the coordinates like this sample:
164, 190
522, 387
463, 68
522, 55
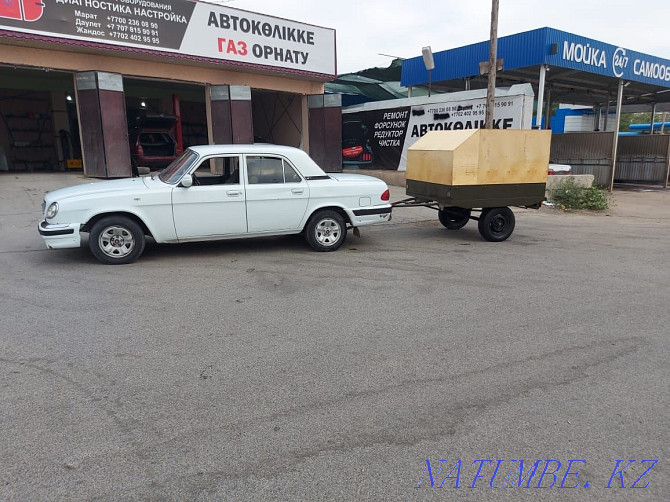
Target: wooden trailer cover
480, 167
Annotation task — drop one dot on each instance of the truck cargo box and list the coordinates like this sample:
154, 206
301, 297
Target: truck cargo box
479, 167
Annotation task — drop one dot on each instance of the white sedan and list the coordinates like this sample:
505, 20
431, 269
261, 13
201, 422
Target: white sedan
560, 169
215, 192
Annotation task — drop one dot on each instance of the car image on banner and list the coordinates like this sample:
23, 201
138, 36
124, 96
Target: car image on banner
22, 10
355, 143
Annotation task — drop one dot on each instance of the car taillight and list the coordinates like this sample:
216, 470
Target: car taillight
386, 195
139, 150
352, 152
367, 157
551, 171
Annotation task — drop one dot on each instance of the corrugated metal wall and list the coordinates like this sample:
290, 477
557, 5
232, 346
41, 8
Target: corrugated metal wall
639, 158
642, 158
587, 153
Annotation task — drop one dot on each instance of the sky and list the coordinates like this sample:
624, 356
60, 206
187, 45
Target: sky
367, 28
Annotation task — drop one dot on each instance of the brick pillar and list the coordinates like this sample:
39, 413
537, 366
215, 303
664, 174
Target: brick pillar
325, 131
103, 127
231, 115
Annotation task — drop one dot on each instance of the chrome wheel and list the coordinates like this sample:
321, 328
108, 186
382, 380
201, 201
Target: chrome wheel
328, 232
116, 241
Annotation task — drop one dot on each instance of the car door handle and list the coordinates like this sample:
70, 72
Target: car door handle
298, 191
234, 193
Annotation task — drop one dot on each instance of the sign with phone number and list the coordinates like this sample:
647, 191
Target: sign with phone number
181, 27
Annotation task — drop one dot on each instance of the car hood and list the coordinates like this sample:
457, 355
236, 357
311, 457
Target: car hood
126, 184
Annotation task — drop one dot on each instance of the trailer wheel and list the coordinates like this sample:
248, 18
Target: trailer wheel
454, 218
496, 223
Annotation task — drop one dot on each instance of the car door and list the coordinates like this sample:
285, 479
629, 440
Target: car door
277, 196
215, 204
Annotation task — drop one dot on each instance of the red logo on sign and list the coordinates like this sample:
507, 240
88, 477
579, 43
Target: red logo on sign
23, 10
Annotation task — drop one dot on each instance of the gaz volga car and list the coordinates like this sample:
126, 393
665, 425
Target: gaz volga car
215, 192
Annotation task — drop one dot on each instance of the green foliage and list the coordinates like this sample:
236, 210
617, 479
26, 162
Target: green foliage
569, 195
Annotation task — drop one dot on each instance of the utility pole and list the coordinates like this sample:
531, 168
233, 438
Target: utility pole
493, 66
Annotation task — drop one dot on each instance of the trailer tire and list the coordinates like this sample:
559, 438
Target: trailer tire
454, 218
496, 224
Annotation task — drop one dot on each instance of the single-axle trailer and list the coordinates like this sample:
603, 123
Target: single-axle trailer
495, 223
481, 171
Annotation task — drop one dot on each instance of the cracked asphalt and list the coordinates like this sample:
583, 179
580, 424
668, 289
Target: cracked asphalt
260, 370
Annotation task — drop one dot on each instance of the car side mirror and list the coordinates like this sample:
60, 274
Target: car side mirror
186, 181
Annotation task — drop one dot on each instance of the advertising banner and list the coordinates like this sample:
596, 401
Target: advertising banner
182, 27
381, 132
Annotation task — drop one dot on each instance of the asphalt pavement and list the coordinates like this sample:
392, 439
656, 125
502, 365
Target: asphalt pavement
400, 367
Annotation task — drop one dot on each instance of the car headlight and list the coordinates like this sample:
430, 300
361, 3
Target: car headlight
52, 210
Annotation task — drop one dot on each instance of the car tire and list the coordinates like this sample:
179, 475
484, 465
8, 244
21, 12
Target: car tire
496, 223
326, 231
454, 218
116, 240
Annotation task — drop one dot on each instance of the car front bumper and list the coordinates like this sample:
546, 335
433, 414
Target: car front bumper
62, 235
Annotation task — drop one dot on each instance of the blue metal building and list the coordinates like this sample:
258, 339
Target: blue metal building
563, 67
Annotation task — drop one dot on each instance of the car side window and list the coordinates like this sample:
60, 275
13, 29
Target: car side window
264, 170
224, 170
290, 175
270, 170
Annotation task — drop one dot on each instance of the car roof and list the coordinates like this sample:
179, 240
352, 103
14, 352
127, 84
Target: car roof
243, 148
298, 157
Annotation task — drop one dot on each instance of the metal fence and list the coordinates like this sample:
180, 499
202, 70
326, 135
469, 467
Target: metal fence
587, 153
643, 159
640, 159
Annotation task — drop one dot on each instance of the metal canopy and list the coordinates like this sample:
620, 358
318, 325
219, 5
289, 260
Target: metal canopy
580, 70
567, 86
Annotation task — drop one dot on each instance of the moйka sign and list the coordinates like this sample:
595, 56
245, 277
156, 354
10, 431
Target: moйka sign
618, 62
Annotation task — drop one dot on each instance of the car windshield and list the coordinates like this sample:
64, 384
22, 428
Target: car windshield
173, 173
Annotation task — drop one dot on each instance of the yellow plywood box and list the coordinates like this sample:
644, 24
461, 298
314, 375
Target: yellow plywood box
480, 157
